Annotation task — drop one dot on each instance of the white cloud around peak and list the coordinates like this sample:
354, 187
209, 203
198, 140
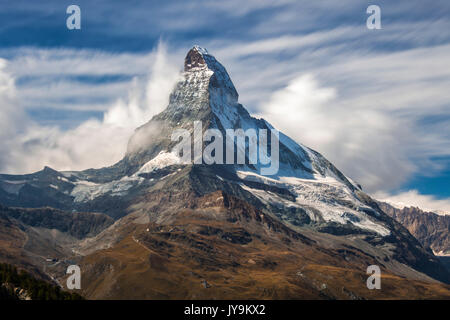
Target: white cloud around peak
94, 143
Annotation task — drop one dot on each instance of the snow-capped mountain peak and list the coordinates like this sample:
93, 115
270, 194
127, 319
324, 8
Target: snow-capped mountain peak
206, 95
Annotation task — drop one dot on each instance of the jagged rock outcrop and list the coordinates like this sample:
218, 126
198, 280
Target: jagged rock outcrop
431, 229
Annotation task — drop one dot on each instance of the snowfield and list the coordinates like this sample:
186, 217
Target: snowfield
333, 199
163, 159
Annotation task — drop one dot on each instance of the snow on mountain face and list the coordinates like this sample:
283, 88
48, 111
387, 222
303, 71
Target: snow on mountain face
199, 61
163, 159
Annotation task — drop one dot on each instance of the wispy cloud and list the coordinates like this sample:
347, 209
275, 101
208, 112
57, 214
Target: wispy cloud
94, 143
77, 79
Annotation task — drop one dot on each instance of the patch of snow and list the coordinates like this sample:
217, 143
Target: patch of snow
163, 159
64, 179
69, 174
88, 191
15, 181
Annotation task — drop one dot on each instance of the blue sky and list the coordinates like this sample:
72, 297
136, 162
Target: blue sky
374, 102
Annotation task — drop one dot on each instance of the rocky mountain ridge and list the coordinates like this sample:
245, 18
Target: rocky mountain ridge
431, 229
